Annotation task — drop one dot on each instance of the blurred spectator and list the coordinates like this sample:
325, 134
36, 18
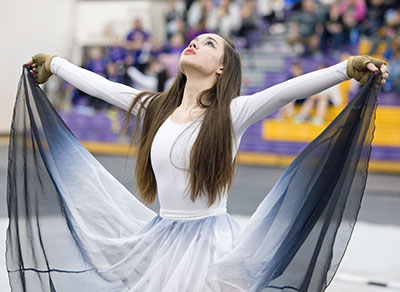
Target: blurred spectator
122, 70
296, 69
321, 102
176, 44
392, 33
198, 29
201, 11
393, 55
392, 20
357, 9
388, 31
305, 28
271, 10
353, 13
248, 29
55, 89
96, 61
112, 73
174, 17
178, 26
171, 54
117, 52
375, 17
189, 4
137, 36
393, 51
155, 78
226, 19
143, 55
334, 33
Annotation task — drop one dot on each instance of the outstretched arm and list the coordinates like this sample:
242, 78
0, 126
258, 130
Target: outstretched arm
93, 84
246, 110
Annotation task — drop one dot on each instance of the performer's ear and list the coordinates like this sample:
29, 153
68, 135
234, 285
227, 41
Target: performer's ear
219, 71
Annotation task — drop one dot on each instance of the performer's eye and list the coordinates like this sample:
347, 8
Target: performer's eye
210, 43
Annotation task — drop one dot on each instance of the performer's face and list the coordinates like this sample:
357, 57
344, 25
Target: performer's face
203, 55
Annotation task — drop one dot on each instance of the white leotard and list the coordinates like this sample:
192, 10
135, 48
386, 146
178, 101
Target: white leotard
173, 141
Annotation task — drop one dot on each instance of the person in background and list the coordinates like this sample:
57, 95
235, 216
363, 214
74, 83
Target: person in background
271, 11
248, 29
388, 32
169, 57
201, 11
96, 61
320, 102
334, 34
112, 72
178, 25
138, 44
174, 17
155, 78
392, 54
198, 29
287, 111
137, 36
117, 51
354, 13
176, 44
226, 19
305, 29
375, 18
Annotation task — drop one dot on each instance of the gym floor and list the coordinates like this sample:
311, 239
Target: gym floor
371, 262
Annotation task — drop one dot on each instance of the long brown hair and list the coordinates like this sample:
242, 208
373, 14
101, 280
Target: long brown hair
211, 168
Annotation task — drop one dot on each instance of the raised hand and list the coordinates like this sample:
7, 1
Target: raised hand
40, 67
360, 67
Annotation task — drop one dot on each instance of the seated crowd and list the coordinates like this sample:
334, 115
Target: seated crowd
309, 27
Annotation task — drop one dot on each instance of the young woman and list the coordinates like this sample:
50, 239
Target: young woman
188, 142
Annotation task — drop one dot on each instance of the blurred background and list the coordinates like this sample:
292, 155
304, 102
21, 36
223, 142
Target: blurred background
138, 43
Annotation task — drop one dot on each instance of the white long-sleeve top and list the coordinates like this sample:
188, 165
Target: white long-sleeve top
171, 147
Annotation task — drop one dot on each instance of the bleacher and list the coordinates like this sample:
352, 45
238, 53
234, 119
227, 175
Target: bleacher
273, 141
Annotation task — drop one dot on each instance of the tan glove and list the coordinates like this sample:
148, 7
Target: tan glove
357, 67
42, 70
